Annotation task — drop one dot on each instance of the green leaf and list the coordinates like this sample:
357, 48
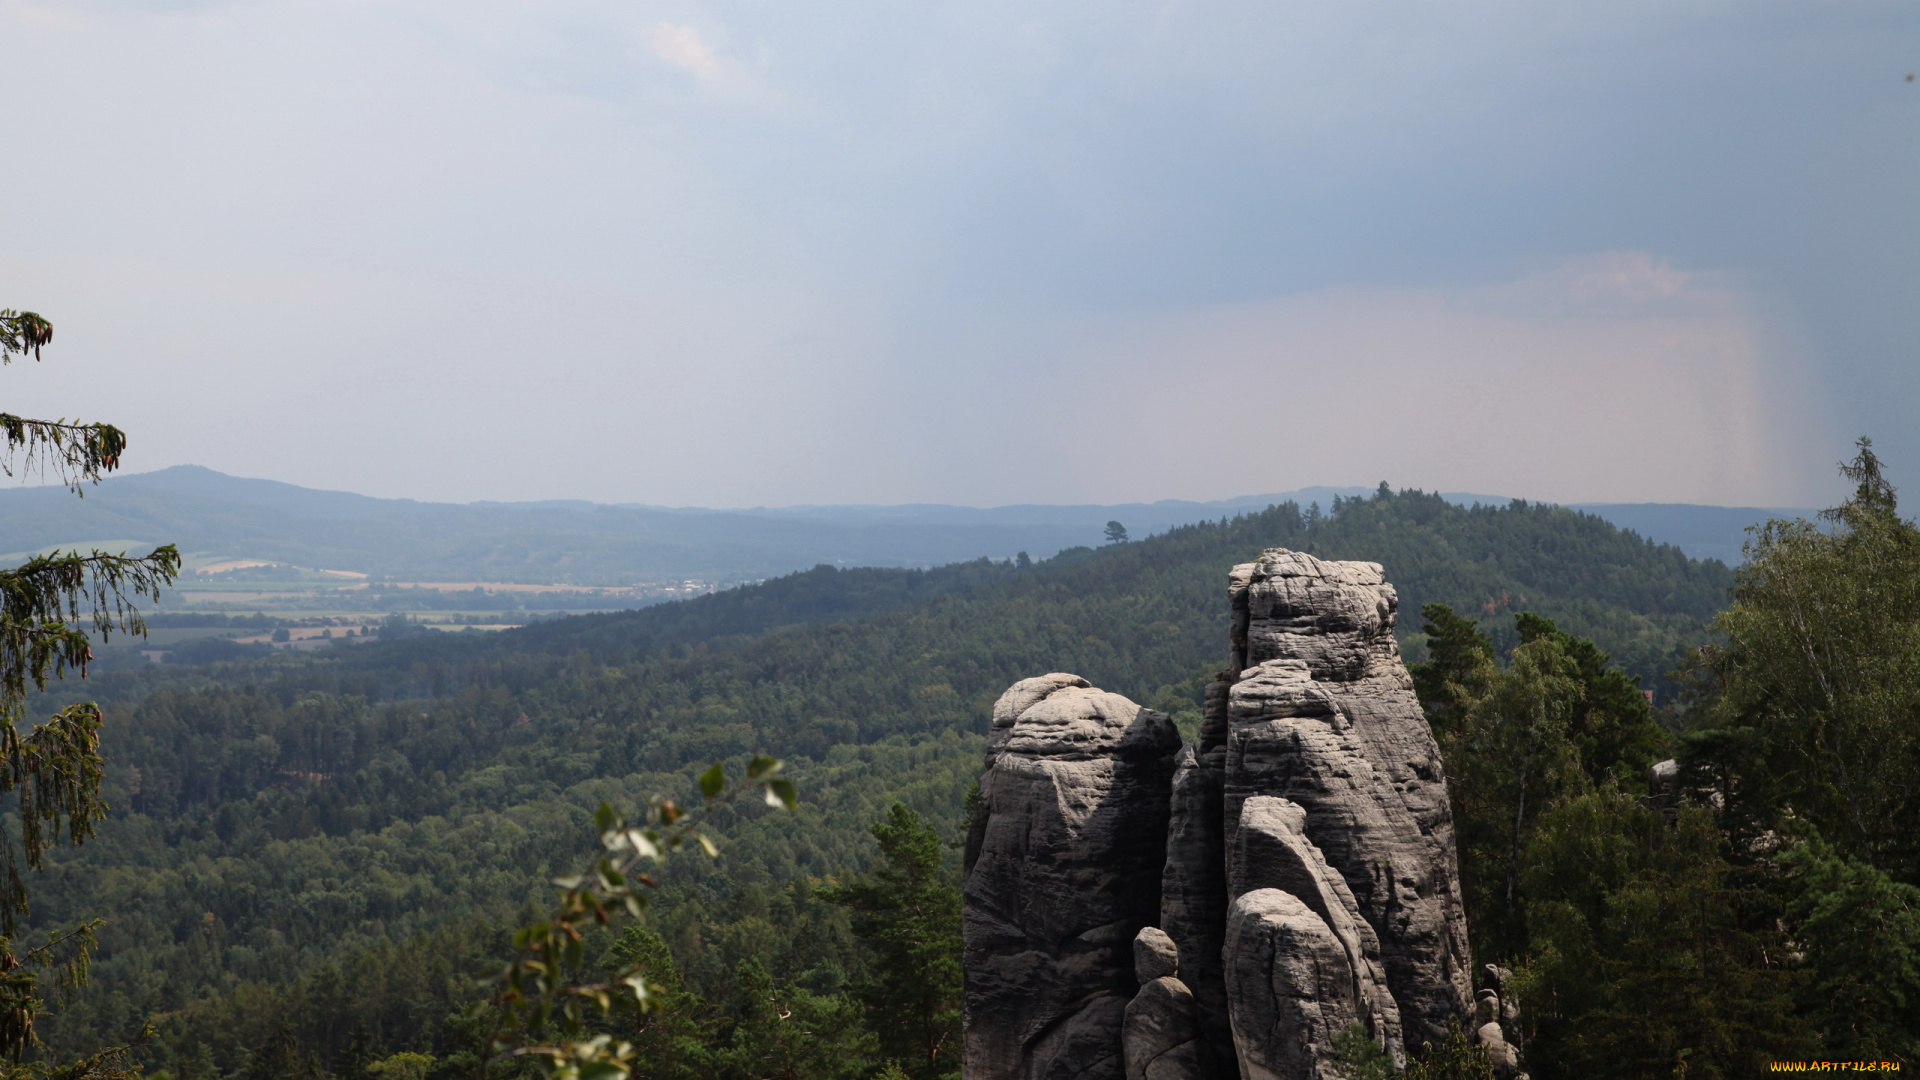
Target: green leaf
713, 781
782, 792
762, 765
603, 1070
604, 819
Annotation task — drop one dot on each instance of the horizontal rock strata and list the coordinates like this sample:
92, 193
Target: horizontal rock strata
1064, 870
1160, 1036
1298, 860
1323, 715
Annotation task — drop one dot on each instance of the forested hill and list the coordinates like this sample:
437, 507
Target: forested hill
215, 518
280, 820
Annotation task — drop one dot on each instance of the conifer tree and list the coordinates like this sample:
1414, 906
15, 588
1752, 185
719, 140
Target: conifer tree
1458, 670
666, 1037
908, 912
49, 608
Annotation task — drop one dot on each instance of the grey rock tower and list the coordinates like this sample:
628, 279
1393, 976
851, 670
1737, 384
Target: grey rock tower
1160, 1037
1323, 715
1063, 870
1298, 861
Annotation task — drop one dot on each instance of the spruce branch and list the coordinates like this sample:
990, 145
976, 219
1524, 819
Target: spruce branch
54, 771
75, 451
22, 332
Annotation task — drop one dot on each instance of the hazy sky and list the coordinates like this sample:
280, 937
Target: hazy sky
774, 252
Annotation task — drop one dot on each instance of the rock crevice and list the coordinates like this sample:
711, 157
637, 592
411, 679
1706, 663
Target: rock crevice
1298, 860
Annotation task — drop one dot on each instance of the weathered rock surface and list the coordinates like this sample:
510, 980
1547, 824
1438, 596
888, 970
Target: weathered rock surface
1299, 860
1272, 852
1155, 956
1323, 715
1289, 987
1020, 697
1193, 898
1505, 1059
1160, 1036
1663, 789
1064, 870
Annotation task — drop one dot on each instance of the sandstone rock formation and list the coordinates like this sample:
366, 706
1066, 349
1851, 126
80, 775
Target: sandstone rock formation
1063, 871
1303, 869
1193, 894
1160, 1037
1324, 715
1271, 851
1289, 988
1488, 1033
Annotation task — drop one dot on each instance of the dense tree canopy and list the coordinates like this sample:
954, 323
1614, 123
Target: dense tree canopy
335, 837
54, 771
1767, 908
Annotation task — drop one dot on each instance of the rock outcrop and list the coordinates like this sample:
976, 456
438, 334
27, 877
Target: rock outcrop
1160, 1036
1298, 861
1289, 988
1064, 869
1193, 895
1324, 715
1271, 851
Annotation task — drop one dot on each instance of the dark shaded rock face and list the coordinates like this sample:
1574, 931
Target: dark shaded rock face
1193, 895
1298, 861
1160, 1037
1063, 871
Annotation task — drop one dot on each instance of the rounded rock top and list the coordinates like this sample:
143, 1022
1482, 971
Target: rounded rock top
1155, 956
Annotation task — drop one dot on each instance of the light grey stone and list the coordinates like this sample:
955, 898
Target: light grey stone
1298, 860
1160, 1035
1323, 714
1018, 698
1065, 872
1663, 789
1504, 1056
1289, 987
1272, 852
1159, 1038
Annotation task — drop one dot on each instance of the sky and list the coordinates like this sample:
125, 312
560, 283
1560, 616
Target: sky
884, 251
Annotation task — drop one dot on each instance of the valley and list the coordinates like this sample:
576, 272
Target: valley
285, 822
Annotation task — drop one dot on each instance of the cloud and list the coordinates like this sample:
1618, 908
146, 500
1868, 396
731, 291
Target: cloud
1608, 378
869, 251
681, 46
43, 17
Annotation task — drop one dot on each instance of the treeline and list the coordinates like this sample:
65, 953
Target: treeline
1758, 898
277, 819
835, 981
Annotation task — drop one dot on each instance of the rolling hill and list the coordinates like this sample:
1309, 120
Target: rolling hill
288, 825
226, 517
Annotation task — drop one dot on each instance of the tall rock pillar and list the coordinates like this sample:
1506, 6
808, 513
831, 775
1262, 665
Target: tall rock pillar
1323, 716
1064, 869
1193, 888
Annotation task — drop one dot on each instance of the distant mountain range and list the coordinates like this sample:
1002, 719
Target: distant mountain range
217, 515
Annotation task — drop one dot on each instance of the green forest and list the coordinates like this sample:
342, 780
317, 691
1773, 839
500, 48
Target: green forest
310, 860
